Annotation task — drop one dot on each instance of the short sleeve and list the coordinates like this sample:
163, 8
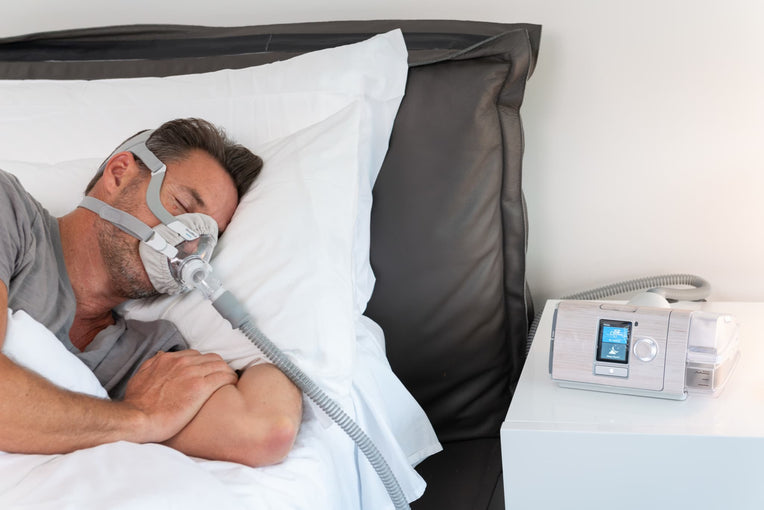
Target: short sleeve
14, 220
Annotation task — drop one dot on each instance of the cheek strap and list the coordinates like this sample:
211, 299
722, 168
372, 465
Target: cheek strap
131, 225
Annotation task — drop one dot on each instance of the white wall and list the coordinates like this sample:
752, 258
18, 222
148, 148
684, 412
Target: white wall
644, 124
644, 129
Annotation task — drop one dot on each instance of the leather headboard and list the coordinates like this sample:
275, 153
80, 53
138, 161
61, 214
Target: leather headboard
449, 236
448, 224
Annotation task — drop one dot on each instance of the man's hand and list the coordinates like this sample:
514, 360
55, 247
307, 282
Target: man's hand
170, 388
162, 397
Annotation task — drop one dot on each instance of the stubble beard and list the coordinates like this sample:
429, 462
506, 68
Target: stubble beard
122, 259
126, 272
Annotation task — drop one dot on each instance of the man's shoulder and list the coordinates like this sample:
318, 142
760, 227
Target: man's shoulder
20, 214
10, 184
14, 195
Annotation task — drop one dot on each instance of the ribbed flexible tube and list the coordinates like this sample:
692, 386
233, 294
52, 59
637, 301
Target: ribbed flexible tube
234, 312
330, 407
658, 284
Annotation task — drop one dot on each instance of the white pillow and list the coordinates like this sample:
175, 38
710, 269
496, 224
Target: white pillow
287, 255
59, 120
30, 344
50, 121
58, 187
346, 98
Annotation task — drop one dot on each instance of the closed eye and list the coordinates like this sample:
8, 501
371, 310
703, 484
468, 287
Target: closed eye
190, 199
181, 205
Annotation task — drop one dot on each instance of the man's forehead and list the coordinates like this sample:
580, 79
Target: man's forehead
206, 183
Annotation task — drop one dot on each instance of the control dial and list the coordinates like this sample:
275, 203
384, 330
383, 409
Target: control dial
645, 349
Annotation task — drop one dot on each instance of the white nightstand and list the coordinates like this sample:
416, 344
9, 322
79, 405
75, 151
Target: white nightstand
577, 449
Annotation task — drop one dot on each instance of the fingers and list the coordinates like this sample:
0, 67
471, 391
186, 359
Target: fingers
172, 386
216, 380
187, 357
204, 372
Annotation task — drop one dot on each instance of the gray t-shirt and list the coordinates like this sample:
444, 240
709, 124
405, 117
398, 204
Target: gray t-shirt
32, 268
31, 261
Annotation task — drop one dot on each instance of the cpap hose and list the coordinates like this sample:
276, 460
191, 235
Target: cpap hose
231, 309
656, 284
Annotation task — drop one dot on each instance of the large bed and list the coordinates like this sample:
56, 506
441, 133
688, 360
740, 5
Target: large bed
383, 247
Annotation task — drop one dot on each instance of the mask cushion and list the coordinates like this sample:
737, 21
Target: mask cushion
157, 264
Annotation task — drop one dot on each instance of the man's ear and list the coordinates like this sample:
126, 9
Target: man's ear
118, 171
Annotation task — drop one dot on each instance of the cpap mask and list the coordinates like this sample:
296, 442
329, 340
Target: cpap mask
176, 253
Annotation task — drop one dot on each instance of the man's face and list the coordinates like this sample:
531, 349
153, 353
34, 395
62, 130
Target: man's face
197, 184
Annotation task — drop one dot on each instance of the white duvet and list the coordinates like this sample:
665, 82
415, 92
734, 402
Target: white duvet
323, 471
129, 476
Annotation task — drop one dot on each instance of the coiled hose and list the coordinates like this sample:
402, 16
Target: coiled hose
232, 310
657, 284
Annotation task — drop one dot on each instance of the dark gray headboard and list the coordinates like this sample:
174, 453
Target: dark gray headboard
448, 224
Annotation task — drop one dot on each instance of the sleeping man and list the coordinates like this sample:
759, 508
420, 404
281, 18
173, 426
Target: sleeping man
69, 273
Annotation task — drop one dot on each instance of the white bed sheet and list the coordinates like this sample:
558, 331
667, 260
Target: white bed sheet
129, 476
324, 470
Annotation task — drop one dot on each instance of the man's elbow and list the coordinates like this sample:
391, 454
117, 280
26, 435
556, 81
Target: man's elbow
270, 443
279, 440
266, 411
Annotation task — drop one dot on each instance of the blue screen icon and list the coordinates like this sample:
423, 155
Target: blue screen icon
613, 352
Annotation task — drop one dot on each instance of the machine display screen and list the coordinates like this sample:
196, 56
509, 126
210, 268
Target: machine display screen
613, 341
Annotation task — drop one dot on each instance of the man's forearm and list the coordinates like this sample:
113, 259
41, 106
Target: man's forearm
163, 396
38, 417
254, 422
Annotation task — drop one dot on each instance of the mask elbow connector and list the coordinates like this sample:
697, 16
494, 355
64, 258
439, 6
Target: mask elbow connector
197, 274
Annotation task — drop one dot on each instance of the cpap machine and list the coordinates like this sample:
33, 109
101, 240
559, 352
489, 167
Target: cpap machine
654, 351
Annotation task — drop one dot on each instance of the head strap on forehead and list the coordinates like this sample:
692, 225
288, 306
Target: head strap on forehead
137, 146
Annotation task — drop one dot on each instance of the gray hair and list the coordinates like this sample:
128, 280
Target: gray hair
174, 140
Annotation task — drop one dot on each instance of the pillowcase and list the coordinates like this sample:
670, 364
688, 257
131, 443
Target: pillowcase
323, 119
